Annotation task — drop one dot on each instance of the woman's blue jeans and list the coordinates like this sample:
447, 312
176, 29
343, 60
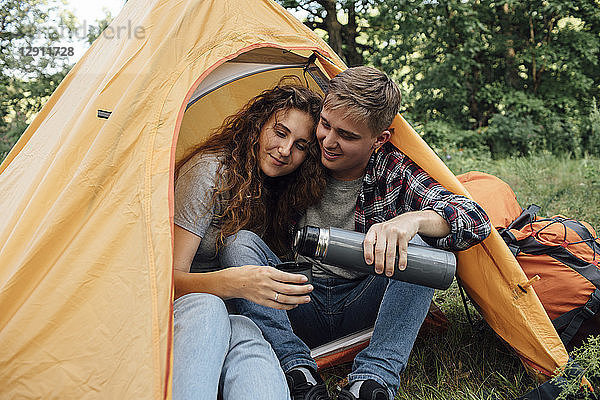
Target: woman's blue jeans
216, 352
338, 307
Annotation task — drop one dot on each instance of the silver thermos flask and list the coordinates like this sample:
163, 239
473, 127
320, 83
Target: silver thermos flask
426, 266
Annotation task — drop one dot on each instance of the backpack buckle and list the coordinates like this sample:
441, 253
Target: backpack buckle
590, 308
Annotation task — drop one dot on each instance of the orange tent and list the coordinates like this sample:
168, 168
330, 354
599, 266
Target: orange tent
87, 198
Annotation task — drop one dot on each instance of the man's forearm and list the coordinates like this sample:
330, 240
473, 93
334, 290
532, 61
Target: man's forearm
432, 224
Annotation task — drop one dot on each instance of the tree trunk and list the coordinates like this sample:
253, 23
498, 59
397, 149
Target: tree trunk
511, 73
352, 54
333, 26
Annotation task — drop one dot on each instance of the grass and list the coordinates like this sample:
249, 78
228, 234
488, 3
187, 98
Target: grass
465, 362
471, 362
559, 185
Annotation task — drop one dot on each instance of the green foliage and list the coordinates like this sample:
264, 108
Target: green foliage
591, 174
559, 184
101, 24
516, 77
591, 135
27, 81
525, 125
11, 134
526, 72
508, 135
466, 362
443, 136
586, 357
341, 21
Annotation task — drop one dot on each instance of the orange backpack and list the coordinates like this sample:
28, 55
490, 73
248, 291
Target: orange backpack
564, 254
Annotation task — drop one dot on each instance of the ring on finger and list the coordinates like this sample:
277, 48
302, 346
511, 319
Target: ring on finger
276, 297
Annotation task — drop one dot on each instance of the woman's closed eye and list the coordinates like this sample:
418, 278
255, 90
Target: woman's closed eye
301, 146
280, 133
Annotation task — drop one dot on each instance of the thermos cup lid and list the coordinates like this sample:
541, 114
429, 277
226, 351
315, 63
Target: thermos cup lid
306, 241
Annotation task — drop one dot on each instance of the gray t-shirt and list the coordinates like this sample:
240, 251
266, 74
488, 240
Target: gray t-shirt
194, 209
336, 209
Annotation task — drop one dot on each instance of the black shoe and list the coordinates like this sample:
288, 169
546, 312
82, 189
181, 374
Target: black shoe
300, 389
369, 390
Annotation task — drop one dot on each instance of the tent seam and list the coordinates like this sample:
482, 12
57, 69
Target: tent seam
155, 331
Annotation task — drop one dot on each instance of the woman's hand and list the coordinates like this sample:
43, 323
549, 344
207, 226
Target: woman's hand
268, 286
263, 285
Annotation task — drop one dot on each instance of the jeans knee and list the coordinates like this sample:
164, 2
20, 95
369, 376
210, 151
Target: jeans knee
245, 247
418, 296
243, 328
242, 238
204, 301
201, 309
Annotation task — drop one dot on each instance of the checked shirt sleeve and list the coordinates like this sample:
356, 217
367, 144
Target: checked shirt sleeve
469, 224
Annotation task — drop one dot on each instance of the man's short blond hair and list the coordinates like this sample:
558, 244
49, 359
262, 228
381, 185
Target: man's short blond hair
368, 96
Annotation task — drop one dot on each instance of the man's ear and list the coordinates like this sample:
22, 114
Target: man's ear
382, 139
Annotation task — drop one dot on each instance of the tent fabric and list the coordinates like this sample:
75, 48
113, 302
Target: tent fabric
86, 240
86, 281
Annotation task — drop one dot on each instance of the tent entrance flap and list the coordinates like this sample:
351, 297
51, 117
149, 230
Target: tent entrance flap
232, 71
226, 89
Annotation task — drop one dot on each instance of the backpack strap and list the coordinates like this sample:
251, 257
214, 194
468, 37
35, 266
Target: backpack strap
551, 389
573, 319
526, 217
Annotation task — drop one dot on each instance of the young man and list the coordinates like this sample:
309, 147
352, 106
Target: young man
374, 188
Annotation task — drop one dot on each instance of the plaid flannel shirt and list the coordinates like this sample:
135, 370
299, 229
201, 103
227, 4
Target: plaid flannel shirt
394, 184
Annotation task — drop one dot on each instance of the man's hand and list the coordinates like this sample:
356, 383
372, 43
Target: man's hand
385, 239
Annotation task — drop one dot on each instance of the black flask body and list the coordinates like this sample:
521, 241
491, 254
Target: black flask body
426, 266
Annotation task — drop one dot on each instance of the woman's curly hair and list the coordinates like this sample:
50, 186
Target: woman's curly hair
270, 207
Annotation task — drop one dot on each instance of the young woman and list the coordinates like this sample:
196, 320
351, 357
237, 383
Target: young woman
259, 172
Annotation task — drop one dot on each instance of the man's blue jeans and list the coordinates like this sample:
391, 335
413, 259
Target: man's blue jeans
217, 352
338, 307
